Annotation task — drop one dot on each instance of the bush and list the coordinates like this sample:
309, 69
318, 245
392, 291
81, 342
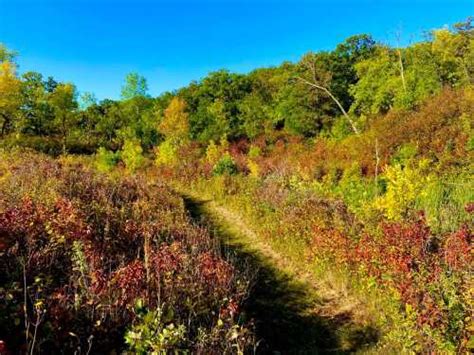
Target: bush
213, 152
154, 334
167, 154
404, 187
106, 160
254, 152
225, 166
131, 154
89, 245
444, 198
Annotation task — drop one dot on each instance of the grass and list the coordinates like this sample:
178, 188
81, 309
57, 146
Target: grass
295, 309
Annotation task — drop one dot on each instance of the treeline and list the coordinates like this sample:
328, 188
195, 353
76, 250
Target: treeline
332, 93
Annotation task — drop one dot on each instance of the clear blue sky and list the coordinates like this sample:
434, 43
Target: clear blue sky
95, 43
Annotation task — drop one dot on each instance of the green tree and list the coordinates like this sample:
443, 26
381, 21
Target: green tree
63, 101
379, 82
213, 104
454, 51
37, 113
7, 55
341, 65
111, 119
135, 85
404, 77
254, 115
10, 96
86, 100
315, 72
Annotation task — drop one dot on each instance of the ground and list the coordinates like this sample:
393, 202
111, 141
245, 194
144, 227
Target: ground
292, 310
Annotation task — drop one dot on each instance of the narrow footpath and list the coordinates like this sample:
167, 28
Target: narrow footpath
290, 316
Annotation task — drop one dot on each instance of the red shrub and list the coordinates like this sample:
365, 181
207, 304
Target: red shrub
169, 258
214, 271
457, 249
130, 283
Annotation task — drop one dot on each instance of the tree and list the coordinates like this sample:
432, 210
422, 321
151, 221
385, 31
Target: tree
254, 115
36, 112
10, 96
50, 84
318, 78
6, 55
213, 104
174, 126
454, 53
86, 100
404, 77
219, 125
175, 122
63, 101
379, 82
341, 65
135, 85
111, 119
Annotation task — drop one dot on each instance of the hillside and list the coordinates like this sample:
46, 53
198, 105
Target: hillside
323, 206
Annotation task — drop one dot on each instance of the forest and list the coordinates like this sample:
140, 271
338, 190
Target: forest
168, 224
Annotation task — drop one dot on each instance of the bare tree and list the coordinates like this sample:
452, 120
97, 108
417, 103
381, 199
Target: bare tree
319, 80
400, 62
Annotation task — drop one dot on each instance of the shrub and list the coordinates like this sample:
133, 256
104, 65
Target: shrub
357, 192
167, 154
254, 169
404, 186
405, 154
106, 160
225, 165
443, 199
212, 153
153, 333
131, 154
89, 245
254, 152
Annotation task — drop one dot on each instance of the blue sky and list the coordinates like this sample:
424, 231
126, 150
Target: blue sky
95, 43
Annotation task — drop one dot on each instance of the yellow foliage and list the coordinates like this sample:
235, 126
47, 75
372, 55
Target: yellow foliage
224, 143
132, 154
10, 86
175, 123
404, 186
63, 97
213, 153
254, 169
167, 154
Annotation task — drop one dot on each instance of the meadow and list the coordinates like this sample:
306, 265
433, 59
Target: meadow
333, 195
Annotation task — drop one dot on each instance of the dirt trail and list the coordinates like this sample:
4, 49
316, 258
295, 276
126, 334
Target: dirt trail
292, 315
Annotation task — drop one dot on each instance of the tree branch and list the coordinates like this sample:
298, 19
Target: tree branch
324, 89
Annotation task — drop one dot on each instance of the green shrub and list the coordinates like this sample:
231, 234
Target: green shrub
356, 191
254, 152
49, 145
132, 154
340, 129
167, 154
154, 334
225, 165
404, 154
105, 160
444, 199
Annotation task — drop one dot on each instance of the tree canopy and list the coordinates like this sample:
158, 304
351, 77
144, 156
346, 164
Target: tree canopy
347, 86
